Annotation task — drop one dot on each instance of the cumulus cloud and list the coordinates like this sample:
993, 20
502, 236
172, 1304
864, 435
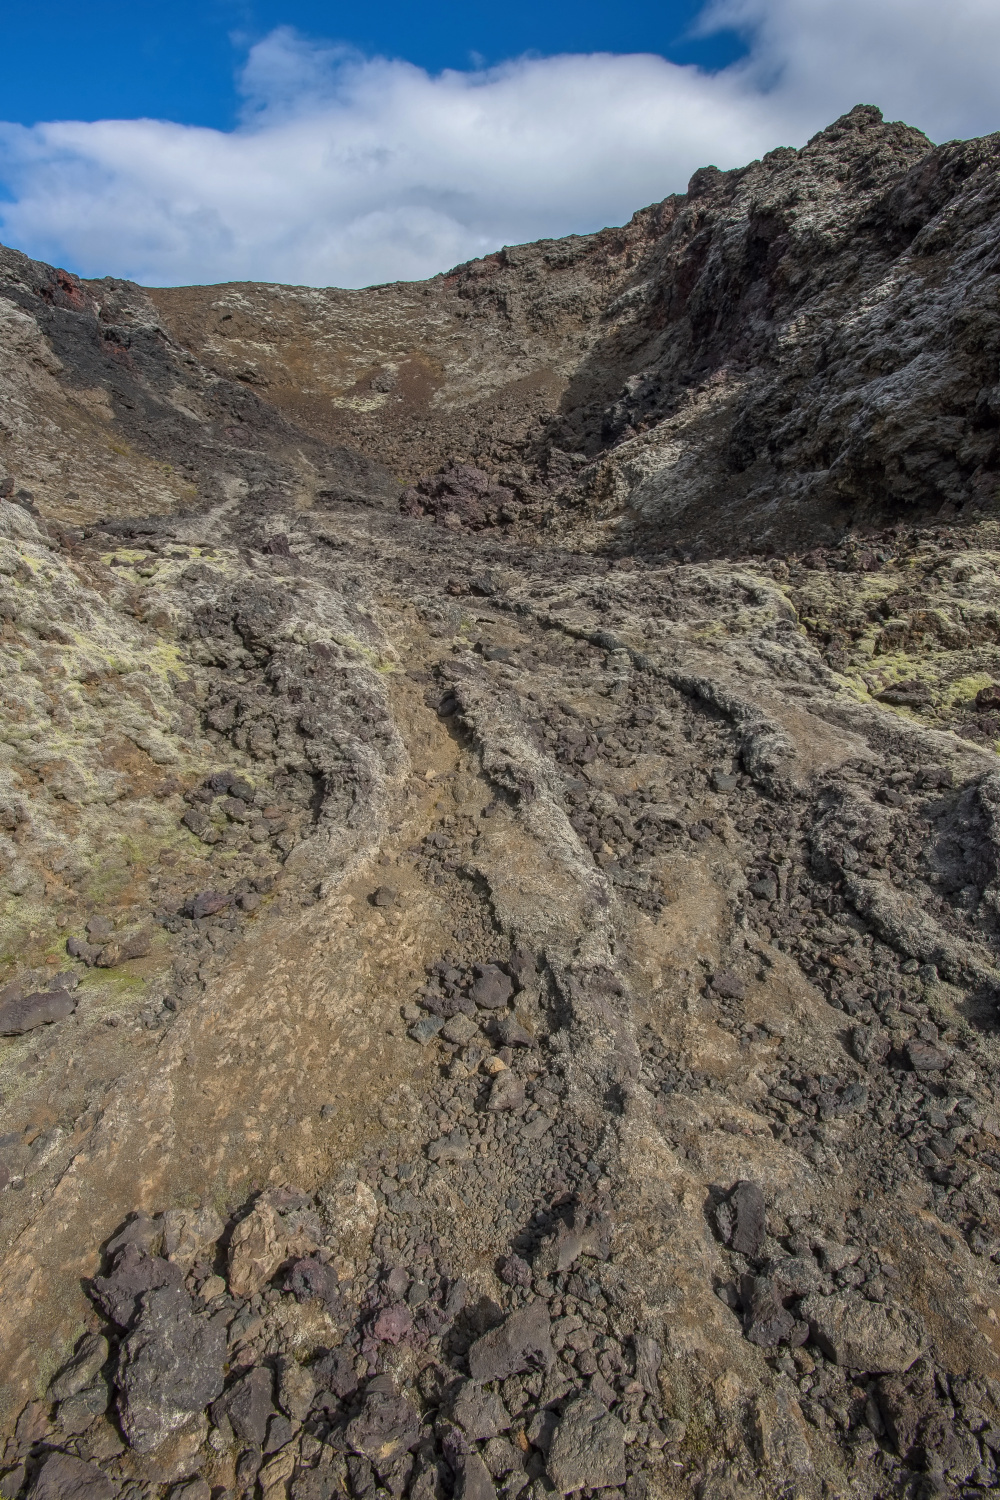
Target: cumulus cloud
931, 64
348, 170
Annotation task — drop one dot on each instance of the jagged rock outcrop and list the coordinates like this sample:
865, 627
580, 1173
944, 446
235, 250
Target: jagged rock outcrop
787, 349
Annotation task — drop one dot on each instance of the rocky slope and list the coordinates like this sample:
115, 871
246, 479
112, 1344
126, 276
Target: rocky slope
499, 861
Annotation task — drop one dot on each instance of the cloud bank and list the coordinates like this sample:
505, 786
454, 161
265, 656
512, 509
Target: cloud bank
347, 170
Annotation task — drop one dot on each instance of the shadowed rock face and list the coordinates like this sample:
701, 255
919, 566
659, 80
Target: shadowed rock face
499, 861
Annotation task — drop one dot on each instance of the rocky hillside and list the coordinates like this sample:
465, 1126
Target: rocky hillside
500, 862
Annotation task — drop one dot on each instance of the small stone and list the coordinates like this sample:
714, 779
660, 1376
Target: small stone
335, 1372
137, 944
141, 1231
480, 1413
397, 1281
473, 1481
258, 1245
384, 896
871, 1045
461, 1030
120, 1293
492, 989
212, 1287
925, 1057
247, 1468
905, 1403
80, 1411
384, 1430
279, 1432
78, 947
310, 1278
190, 1234
507, 1091
794, 1276
750, 1216
393, 1324
248, 1405
833, 1257
542, 1430
724, 781
515, 1271
523, 965
452, 1147
501, 1457
428, 1483
602, 1390
90, 1354
12, 1481
648, 1359
729, 986
766, 1321
426, 1029
208, 903
274, 1475
854, 1099
587, 1233
522, 1341
511, 1033
296, 1389
191, 1489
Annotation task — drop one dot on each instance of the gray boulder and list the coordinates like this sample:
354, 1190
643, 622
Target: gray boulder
80, 1411
871, 1336
248, 1405
40, 1009
171, 1366
588, 1448
386, 1428
63, 1477
480, 1413
493, 988
473, 1480
90, 1354
766, 1321
742, 1219
134, 1273
522, 1340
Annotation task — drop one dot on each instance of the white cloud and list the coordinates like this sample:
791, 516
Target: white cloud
930, 63
347, 170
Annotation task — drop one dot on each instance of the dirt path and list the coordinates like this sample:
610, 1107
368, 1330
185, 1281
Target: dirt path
605, 786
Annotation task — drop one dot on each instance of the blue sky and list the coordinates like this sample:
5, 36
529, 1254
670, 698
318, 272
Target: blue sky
326, 144
179, 60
